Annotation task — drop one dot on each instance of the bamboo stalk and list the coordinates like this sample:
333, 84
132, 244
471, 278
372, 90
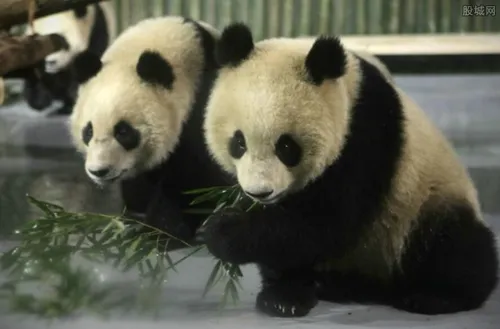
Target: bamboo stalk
159, 8
361, 22
176, 7
257, 19
304, 17
339, 17
225, 12
287, 25
209, 13
245, 11
273, 19
137, 11
324, 16
313, 18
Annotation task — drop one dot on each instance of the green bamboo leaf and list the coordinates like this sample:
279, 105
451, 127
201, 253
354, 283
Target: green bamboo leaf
49, 209
206, 197
9, 258
202, 211
204, 190
170, 262
234, 292
211, 282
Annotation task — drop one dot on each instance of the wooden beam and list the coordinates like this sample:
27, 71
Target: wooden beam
14, 12
19, 52
426, 44
2, 91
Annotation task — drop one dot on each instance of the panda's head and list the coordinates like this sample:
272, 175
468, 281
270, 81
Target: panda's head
279, 111
75, 26
133, 102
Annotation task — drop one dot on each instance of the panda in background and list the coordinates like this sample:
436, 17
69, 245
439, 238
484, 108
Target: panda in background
86, 27
138, 119
364, 200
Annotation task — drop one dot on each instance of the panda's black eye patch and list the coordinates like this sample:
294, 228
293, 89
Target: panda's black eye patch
87, 133
288, 150
128, 137
237, 145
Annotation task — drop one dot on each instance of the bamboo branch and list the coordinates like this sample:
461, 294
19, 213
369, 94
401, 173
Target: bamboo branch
14, 12
20, 52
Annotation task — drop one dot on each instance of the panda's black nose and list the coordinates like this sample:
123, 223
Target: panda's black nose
100, 172
260, 195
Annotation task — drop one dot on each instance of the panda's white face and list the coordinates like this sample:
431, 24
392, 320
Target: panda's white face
270, 127
122, 126
112, 152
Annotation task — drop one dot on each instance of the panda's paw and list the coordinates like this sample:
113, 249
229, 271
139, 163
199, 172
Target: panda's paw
286, 303
223, 235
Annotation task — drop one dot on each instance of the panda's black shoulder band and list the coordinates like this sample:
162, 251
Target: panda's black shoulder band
235, 45
153, 68
326, 59
86, 65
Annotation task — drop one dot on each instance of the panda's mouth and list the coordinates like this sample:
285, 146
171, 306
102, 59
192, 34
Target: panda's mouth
108, 180
275, 199
271, 200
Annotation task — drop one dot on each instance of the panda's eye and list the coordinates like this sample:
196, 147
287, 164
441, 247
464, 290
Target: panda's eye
237, 145
288, 151
128, 137
87, 133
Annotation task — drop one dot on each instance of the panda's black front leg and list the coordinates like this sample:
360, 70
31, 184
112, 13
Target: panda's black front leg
164, 212
269, 237
288, 293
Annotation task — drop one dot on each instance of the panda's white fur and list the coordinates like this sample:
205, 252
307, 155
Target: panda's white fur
376, 186
116, 93
75, 30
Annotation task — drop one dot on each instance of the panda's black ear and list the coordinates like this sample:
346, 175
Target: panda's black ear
80, 11
235, 45
326, 60
153, 68
86, 65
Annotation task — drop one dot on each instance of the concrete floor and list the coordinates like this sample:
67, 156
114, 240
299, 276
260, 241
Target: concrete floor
467, 108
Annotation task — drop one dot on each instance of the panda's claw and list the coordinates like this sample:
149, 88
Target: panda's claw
274, 302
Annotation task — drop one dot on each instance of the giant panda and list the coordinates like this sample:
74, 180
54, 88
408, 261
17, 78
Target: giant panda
86, 27
138, 119
362, 197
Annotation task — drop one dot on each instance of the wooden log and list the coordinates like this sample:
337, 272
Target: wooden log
20, 52
14, 12
2, 91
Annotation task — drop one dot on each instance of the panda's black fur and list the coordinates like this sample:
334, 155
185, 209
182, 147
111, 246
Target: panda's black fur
41, 88
448, 249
